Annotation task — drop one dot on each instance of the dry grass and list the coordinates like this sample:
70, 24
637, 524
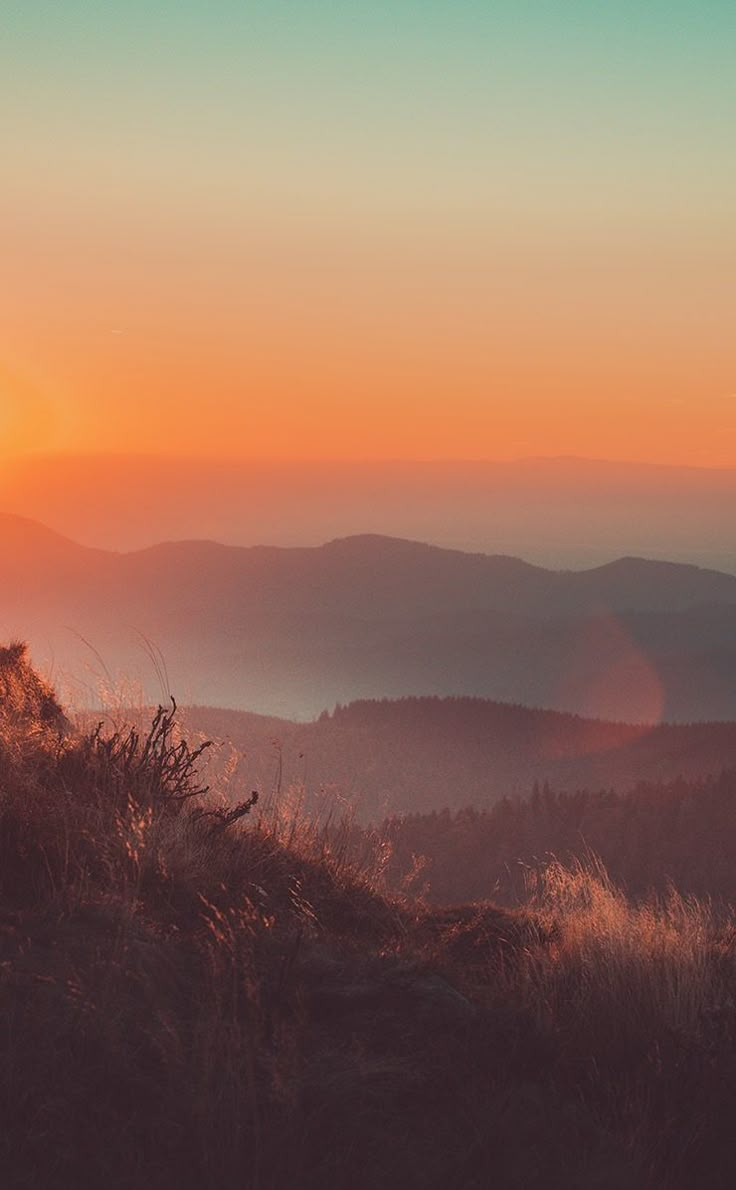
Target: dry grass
611, 958
199, 1002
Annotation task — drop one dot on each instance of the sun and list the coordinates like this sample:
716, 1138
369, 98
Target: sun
8, 424
25, 423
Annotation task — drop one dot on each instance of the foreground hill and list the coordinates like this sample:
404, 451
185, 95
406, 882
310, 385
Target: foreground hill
290, 631
198, 998
422, 754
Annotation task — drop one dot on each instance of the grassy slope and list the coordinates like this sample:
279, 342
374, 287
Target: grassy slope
192, 1003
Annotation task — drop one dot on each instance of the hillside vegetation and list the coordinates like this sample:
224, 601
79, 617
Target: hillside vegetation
196, 996
417, 755
650, 837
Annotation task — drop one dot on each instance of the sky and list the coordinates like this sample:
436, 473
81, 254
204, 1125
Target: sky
403, 229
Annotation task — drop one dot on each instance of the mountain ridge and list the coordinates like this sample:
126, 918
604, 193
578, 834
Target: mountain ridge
570, 512
14, 526
289, 630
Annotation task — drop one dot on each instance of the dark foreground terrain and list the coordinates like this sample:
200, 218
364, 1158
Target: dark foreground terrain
194, 998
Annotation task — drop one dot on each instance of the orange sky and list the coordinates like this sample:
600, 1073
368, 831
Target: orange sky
386, 231
360, 359
399, 350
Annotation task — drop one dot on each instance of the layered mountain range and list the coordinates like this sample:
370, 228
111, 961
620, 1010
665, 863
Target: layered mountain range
291, 631
553, 511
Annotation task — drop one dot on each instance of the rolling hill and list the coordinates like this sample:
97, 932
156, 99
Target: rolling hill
553, 511
428, 754
290, 631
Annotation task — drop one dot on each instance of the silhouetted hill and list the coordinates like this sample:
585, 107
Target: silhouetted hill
26, 545
555, 512
372, 577
290, 631
423, 754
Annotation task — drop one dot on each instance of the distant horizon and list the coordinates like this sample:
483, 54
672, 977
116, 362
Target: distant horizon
557, 512
69, 454
362, 537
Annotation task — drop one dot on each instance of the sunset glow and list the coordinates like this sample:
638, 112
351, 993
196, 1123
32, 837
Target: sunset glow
395, 230
367, 594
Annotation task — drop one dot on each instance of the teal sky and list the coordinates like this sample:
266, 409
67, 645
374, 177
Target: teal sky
543, 111
394, 178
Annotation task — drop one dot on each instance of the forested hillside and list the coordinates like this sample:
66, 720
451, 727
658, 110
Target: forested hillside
418, 754
679, 833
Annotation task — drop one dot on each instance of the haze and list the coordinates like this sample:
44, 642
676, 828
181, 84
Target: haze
556, 512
